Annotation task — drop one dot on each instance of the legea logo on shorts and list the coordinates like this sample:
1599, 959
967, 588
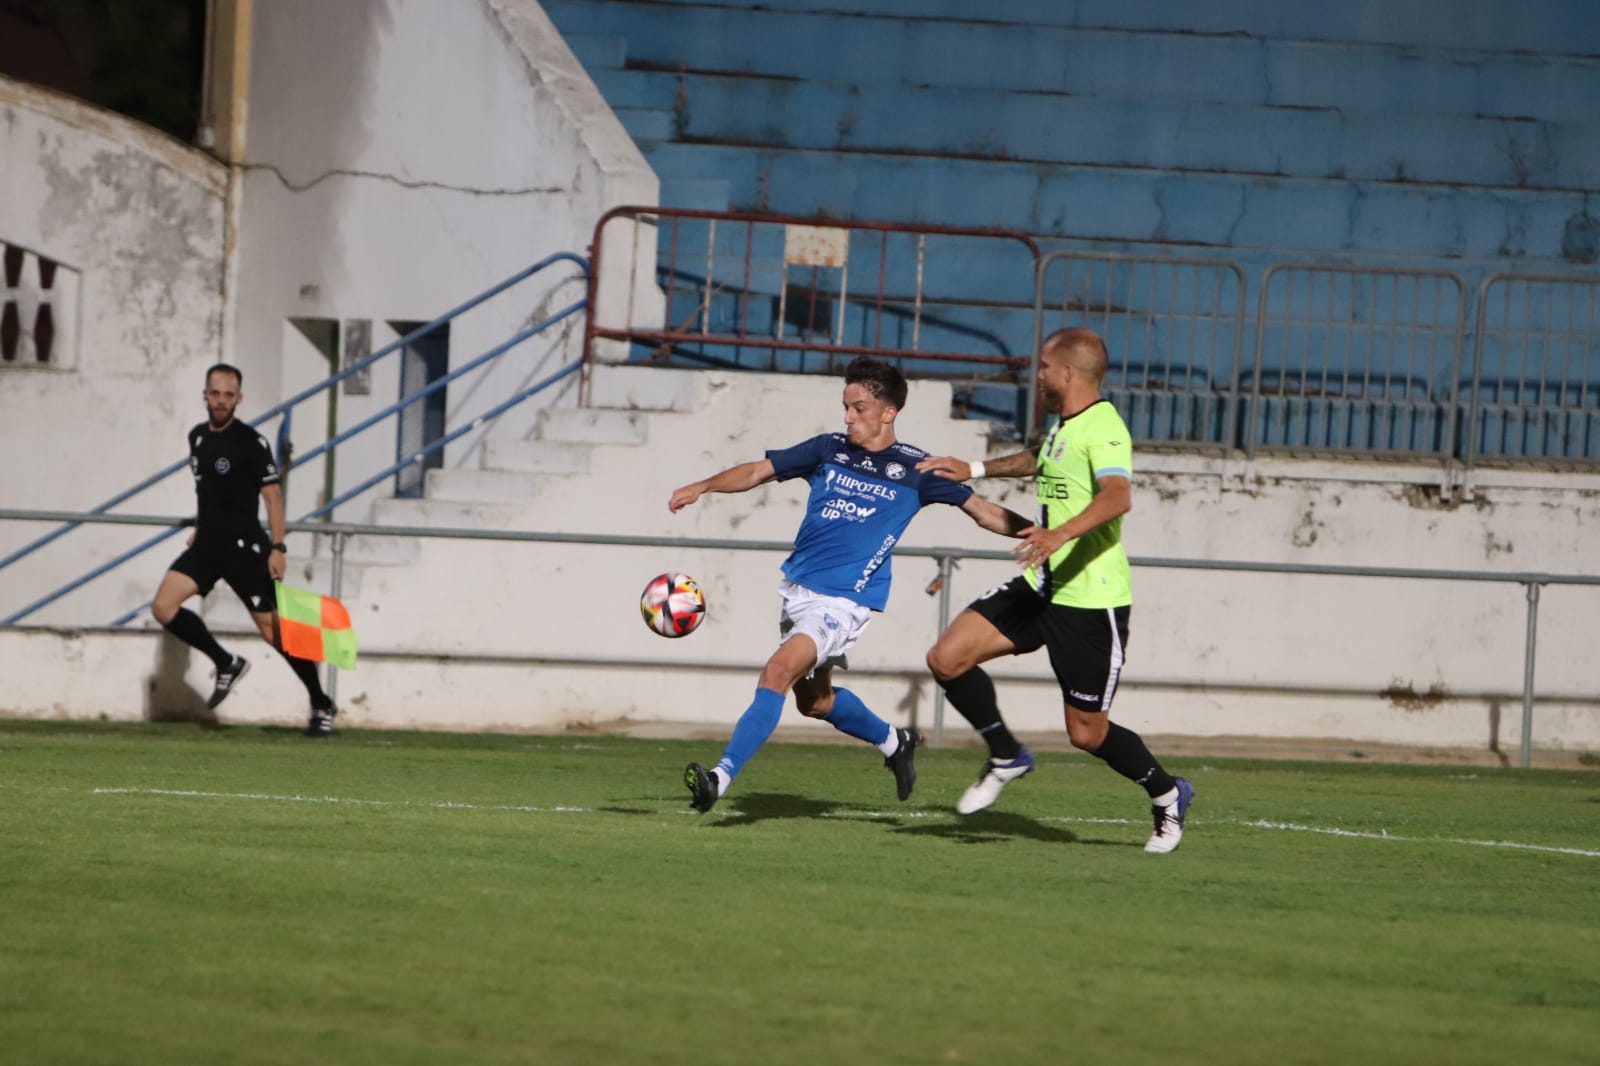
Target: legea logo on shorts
222, 465
1087, 696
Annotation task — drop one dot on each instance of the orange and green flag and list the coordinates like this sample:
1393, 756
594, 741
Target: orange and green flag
315, 627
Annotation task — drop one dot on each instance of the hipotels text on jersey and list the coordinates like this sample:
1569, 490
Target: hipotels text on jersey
856, 486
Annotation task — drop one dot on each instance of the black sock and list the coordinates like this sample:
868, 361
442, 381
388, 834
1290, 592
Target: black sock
189, 628
306, 671
1123, 750
972, 694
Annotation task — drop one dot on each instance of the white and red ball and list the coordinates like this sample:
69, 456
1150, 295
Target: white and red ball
673, 605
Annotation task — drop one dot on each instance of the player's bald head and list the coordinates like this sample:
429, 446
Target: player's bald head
1082, 349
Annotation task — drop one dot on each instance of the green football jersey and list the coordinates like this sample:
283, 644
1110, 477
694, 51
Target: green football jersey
1091, 571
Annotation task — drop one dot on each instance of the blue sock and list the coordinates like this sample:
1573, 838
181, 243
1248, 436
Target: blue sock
851, 717
755, 726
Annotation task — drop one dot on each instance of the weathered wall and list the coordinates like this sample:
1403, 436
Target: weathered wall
475, 635
402, 156
137, 220
397, 158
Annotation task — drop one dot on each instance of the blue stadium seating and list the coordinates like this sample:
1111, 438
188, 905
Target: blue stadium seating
1386, 131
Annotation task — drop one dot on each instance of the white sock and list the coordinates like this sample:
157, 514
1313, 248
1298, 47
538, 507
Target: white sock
720, 776
1166, 799
891, 743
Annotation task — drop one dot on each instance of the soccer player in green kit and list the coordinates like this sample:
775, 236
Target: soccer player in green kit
1074, 598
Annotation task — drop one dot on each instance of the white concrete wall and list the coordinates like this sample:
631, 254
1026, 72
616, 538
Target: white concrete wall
140, 219
402, 156
476, 635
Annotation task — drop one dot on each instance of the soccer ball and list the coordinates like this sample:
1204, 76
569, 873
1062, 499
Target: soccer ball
673, 605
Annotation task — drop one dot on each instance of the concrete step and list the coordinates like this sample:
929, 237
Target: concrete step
534, 457
647, 123
444, 514
695, 194
382, 550
483, 486
646, 388
599, 51
317, 575
589, 425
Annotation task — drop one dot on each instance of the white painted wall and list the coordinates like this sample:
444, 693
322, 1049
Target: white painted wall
139, 218
402, 156
476, 635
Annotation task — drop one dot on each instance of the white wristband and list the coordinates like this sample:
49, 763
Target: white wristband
977, 469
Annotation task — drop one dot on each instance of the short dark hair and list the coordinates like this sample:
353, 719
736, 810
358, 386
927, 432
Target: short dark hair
226, 368
882, 380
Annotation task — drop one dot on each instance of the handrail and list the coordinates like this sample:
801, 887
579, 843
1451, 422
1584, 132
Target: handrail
353, 368
394, 468
360, 427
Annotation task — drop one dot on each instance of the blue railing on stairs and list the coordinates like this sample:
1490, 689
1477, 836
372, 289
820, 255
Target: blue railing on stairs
287, 406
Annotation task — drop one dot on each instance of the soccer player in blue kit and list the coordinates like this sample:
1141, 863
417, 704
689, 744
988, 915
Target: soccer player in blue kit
865, 489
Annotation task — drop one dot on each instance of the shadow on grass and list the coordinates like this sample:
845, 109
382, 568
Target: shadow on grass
761, 806
989, 828
995, 827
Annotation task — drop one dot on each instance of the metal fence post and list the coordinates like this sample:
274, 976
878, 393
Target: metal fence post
1527, 674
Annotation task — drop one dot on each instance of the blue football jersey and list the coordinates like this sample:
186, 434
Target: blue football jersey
860, 504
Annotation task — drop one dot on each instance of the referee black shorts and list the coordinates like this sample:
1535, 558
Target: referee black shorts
241, 562
1086, 644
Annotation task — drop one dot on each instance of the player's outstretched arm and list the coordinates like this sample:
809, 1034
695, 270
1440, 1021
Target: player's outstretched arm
741, 478
994, 518
1113, 499
1017, 464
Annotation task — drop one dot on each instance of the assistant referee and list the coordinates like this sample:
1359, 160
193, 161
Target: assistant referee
233, 470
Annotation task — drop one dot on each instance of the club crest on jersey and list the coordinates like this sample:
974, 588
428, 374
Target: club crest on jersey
895, 470
222, 465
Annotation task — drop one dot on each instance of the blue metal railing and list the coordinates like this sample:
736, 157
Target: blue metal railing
286, 407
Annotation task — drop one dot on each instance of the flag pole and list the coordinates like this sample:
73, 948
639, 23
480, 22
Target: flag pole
332, 686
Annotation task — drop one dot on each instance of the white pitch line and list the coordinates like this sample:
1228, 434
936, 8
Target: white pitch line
446, 805
1289, 827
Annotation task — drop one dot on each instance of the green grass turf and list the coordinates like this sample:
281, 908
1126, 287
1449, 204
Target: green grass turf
423, 898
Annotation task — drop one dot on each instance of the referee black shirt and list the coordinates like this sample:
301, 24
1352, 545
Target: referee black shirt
230, 466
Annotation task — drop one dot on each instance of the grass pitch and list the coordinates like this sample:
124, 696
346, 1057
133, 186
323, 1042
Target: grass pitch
179, 895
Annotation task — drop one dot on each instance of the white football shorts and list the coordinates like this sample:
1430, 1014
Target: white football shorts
833, 623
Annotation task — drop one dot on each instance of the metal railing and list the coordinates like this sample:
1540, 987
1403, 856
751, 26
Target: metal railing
1535, 385
1356, 360
1345, 359
287, 406
1352, 359
1176, 327
945, 557
777, 292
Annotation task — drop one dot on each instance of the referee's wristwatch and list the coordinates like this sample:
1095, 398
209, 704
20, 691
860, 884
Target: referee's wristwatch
280, 546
